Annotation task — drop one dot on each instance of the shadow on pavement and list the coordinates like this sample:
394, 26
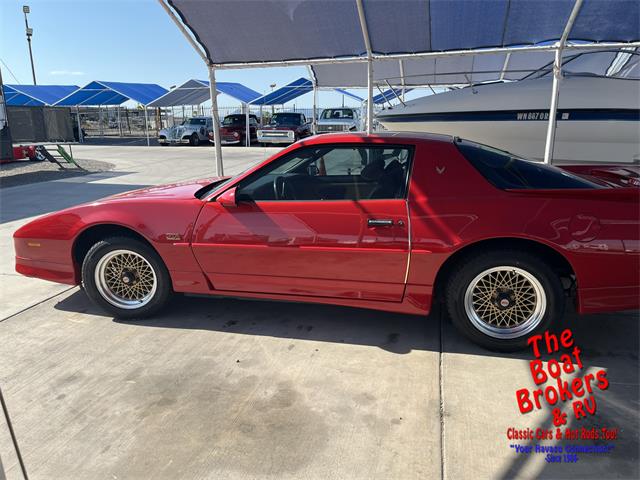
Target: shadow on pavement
38, 198
607, 341
304, 321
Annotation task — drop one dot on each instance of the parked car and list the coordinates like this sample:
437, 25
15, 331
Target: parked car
386, 221
339, 120
285, 127
233, 130
190, 132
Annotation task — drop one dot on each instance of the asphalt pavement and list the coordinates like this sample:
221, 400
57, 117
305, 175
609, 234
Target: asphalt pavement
235, 389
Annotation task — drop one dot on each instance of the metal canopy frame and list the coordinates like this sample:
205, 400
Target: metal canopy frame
370, 57
117, 95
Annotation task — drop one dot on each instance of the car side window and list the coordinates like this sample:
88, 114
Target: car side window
332, 173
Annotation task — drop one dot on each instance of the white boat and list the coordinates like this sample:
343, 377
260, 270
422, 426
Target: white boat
598, 117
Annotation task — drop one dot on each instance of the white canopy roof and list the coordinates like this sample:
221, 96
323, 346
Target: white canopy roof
261, 32
477, 69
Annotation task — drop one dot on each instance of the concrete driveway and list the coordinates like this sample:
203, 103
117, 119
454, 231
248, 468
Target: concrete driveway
224, 388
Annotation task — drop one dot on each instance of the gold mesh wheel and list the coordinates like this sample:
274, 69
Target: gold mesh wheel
505, 302
125, 279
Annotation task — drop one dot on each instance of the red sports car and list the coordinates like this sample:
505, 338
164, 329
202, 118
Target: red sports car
385, 221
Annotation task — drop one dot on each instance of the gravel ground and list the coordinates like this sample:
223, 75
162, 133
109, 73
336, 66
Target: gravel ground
25, 172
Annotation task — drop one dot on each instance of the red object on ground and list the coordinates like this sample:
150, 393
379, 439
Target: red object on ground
22, 152
387, 253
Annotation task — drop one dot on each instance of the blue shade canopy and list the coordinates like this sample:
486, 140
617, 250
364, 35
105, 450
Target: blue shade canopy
36, 95
349, 94
195, 92
285, 94
389, 95
237, 91
278, 30
113, 93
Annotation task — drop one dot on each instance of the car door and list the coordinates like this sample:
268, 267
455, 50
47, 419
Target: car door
312, 224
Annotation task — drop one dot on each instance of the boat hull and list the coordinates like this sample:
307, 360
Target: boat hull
598, 119
595, 141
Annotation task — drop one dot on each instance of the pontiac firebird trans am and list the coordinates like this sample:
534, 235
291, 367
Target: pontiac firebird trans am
384, 221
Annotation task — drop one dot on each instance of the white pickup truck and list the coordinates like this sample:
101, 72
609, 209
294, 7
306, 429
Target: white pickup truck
339, 120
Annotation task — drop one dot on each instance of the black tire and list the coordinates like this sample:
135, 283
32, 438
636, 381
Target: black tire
462, 277
164, 144
194, 141
99, 250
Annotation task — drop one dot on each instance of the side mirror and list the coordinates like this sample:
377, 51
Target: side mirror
228, 198
313, 170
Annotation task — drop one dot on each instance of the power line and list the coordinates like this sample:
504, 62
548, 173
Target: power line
9, 70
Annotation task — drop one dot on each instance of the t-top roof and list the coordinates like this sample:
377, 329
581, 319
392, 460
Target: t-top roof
285, 94
36, 95
278, 30
195, 92
113, 93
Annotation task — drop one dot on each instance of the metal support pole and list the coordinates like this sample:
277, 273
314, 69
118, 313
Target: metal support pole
555, 89
29, 32
80, 136
119, 123
367, 43
553, 110
369, 96
216, 120
100, 122
315, 108
146, 124
314, 82
247, 124
401, 64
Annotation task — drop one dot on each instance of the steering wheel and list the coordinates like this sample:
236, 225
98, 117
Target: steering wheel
279, 187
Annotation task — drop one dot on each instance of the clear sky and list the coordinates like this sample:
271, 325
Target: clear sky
77, 41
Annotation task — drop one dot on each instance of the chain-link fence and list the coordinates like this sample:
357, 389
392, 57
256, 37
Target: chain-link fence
130, 122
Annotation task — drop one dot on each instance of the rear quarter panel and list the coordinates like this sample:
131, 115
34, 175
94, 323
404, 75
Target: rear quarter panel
452, 206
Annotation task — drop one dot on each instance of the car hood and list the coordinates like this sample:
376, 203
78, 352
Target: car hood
173, 191
279, 127
336, 121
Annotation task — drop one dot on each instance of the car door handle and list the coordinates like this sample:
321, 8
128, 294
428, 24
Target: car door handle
379, 222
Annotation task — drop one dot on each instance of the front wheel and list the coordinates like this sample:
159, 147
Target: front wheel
501, 298
126, 277
194, 141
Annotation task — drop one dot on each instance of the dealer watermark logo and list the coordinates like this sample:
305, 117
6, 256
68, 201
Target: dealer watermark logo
562, 390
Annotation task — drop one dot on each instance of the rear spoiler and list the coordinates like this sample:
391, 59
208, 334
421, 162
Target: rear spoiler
612, 175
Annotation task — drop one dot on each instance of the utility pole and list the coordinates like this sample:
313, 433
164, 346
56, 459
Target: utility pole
29, 31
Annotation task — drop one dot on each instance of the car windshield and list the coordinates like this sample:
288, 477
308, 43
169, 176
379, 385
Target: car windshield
286, 119
338, 113
234, 120
197, 121
508, 171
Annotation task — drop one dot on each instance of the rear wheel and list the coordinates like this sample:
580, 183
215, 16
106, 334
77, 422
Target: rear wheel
126, 277
501, 298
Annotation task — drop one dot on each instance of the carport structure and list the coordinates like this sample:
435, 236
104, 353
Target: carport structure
196, 92
368, 31
36, 95
99, 93
285, 94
